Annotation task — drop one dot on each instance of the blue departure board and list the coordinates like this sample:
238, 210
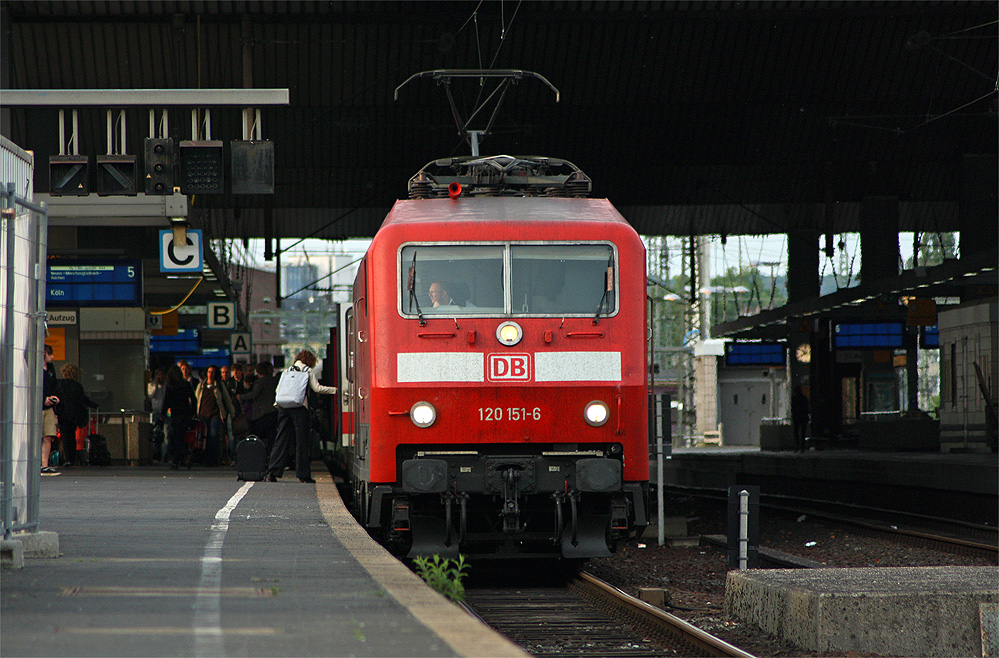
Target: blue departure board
85, 282
929, 337
187, 341
755, 354
858, 335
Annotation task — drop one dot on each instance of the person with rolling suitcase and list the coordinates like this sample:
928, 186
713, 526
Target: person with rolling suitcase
251, 459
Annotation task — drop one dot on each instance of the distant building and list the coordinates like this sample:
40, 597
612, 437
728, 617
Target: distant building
258, 295
297, 279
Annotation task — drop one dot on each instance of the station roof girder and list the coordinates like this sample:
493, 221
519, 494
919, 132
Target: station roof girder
664, 105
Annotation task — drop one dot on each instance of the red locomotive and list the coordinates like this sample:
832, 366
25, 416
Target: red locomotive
494, 378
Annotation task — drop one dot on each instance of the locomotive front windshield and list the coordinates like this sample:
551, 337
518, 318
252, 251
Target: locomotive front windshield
508, 279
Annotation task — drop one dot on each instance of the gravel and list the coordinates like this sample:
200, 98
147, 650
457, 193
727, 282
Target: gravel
694, 578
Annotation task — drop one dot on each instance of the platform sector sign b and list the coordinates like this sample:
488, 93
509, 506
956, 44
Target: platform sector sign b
221, 315
175, 258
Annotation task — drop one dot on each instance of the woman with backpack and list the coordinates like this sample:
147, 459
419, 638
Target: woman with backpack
293, 417
71, 410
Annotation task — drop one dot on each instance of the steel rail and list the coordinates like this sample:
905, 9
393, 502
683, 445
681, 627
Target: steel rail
655, 617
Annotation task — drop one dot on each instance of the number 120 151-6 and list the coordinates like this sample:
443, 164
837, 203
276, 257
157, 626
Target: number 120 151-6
509, 413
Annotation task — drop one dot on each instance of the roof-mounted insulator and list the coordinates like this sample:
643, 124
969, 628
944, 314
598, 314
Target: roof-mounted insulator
421, 186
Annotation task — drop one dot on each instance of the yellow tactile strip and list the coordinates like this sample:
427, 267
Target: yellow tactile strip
467, 636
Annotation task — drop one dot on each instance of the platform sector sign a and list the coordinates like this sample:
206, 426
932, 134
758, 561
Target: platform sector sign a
176, 258
240, 343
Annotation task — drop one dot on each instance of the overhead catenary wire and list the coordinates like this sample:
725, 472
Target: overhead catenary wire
310, 285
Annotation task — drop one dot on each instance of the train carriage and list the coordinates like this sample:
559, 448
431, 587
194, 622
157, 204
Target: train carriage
506, 413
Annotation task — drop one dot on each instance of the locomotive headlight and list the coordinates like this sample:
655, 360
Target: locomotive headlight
509, 333
423, 414
596, 413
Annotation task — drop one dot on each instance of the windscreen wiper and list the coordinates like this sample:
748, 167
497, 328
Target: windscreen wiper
411, 285
608, 288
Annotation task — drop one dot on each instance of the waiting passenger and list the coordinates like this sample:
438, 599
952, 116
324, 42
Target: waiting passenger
188, 373
71, 411
214, 407
49, 400
156, 391
180, 402
800, 415
263, 414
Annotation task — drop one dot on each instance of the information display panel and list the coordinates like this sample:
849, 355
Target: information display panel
768, 354
187, 341
87, 282
859, 335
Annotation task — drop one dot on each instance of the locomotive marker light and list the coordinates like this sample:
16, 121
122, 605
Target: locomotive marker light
596, 413
423, 414
509, 333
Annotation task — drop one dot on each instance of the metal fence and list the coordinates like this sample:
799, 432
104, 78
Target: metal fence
22, 336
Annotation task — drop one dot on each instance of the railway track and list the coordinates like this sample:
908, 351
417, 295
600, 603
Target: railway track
945, 535
590, 618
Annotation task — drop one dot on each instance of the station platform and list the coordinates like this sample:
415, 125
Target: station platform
962, 486
908, 611
155, 562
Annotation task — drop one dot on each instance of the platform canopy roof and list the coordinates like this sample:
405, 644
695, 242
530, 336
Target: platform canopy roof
692, 117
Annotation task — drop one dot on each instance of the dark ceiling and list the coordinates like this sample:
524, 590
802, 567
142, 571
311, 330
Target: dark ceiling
737, 117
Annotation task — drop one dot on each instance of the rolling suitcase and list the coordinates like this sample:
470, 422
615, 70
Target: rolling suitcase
98, 452
251, 459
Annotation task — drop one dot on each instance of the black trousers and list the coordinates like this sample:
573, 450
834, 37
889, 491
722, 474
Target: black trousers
293, 425
800, 427
67, 433
178, 428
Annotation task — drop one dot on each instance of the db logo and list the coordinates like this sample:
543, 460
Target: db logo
508, 367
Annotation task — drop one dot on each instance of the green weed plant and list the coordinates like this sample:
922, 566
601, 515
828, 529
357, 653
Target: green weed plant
444, 575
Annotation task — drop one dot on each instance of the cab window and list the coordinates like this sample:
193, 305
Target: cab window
508, 279
561, 279
452, 279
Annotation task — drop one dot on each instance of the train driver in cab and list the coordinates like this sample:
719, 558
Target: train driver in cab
439, 295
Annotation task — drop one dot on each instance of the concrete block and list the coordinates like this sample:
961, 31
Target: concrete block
43, 544
988, 616
898, 611
776, 437
899, 434
11, 554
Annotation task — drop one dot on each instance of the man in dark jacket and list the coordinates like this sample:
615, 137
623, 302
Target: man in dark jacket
50, 398
263, 413
799, 417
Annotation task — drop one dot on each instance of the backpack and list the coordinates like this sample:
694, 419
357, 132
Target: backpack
292, 388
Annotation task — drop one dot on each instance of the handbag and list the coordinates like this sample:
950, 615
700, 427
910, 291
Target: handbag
240, 425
